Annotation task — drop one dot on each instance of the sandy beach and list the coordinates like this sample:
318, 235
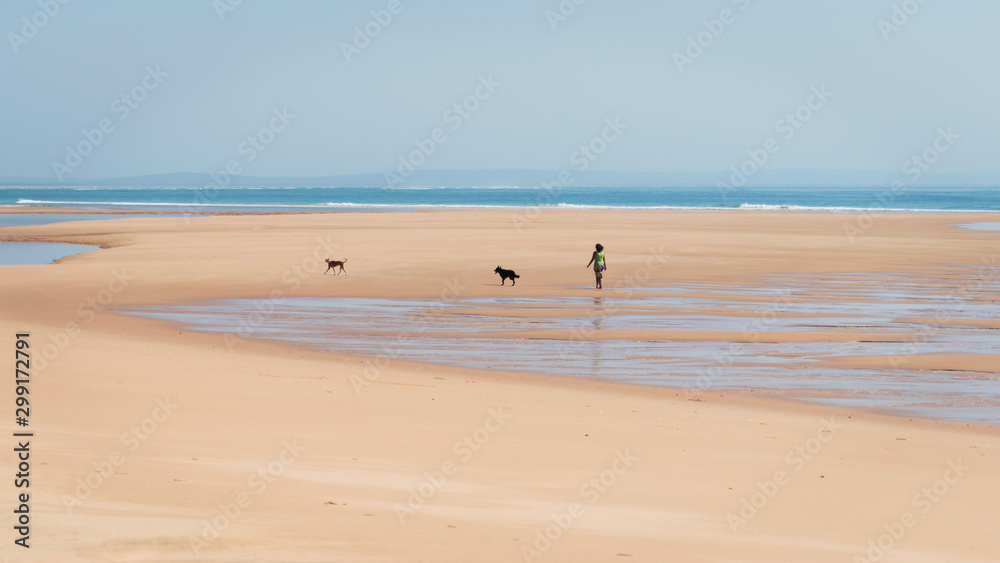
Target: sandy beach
154, 443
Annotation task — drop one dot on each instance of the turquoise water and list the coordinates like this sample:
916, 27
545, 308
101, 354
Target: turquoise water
292, 198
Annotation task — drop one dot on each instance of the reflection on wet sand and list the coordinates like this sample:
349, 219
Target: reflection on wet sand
837, 339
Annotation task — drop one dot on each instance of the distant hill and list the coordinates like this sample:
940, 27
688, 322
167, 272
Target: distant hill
534, 178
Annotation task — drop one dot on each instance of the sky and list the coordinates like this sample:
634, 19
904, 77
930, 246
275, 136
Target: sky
315, 88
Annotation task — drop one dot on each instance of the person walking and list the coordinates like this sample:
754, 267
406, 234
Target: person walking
600, 263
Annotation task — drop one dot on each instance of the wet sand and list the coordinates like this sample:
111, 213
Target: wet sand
810, 339
162, 444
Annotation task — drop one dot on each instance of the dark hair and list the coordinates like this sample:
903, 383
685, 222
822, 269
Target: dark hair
600, 247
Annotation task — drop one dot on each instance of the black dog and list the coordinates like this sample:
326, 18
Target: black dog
334, 264
504, 274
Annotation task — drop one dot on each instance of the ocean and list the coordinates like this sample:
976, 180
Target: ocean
292, 198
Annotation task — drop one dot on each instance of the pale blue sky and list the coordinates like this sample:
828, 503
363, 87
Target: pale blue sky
556, 86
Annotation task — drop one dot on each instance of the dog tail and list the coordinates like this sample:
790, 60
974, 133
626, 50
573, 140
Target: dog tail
516, 276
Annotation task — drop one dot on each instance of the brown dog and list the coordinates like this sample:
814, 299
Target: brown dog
332, 264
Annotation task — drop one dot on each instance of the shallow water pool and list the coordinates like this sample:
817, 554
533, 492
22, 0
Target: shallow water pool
596, 337
21, 253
